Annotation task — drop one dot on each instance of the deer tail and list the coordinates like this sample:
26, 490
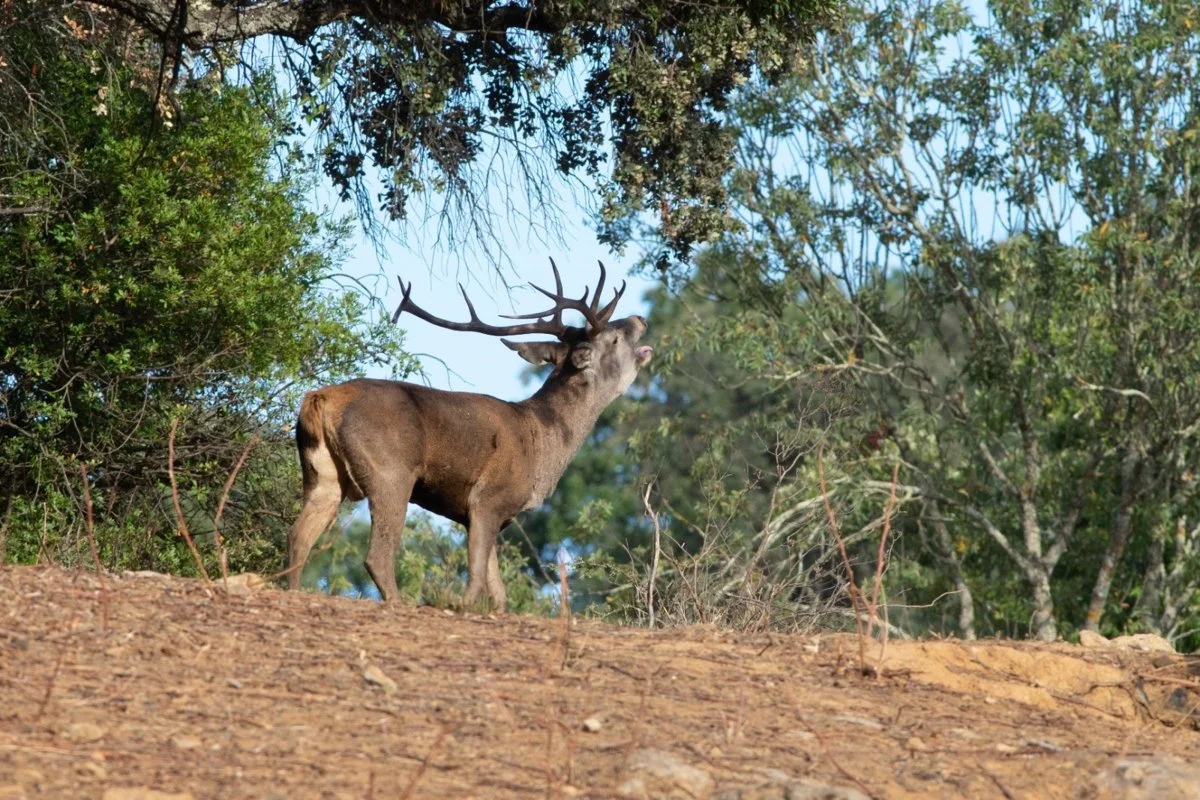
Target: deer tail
310, 427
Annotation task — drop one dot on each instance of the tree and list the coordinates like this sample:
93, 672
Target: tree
630, 95
983, 227
721, 450
154, 281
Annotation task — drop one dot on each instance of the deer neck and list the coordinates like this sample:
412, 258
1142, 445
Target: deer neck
562, 414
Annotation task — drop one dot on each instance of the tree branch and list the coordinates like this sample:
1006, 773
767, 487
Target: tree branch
208, 22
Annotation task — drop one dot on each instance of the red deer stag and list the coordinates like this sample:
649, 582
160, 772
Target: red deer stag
472, 458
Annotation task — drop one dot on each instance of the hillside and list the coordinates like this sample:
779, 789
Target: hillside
191, 692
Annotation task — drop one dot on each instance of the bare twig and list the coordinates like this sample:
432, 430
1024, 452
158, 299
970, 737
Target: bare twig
657, 549
873, 606
416, 778
183, 528
91, 536
832, 760
223, 554
564, 609
316, 552
852, 588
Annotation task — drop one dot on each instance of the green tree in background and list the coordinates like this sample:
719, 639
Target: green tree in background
152, 280
983, 229
962, 246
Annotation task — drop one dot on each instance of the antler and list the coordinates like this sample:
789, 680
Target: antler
548, 322
596, 316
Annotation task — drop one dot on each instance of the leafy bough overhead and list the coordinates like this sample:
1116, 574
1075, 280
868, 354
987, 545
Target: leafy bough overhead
628, 96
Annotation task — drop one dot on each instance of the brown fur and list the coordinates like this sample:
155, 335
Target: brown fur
469, 457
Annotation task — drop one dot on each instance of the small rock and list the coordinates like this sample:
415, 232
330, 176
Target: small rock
592, 724
91, 769
186, 743
83, 732
1042, 744
815, 790
775, 775
374, 675
862, 722
659, 774
1002, 747
1150, 779
1092, 639
1143, 643
915, 743
28, 777
138, 793
233, 683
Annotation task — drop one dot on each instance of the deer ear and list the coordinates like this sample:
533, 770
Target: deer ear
581, 356
539, 352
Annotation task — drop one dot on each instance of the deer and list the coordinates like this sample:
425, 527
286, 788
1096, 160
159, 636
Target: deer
472, 458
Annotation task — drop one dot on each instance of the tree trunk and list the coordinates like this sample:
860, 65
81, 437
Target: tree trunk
1117, 539
946, 553
1045, 627
966, 608
1153, 582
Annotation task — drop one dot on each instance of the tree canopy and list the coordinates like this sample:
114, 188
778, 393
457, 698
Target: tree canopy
629, 96
153, 282
973, 234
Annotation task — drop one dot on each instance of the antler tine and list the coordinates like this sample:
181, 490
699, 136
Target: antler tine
605, 314
404, 290
599, 288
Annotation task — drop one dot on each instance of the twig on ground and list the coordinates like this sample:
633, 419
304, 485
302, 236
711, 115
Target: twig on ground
832, 760
91, 535
316, 552
433, 750
62, 651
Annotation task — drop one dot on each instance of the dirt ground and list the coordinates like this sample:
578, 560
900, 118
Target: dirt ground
188, 691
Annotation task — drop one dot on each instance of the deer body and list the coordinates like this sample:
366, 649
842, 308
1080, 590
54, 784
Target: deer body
472, 458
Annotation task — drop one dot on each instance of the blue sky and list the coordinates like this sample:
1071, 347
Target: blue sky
521, 238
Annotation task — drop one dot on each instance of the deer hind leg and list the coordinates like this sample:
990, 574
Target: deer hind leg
482, 562
389, 508
322, 496
495, 582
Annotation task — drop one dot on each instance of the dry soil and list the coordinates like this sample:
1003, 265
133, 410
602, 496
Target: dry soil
147, 686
